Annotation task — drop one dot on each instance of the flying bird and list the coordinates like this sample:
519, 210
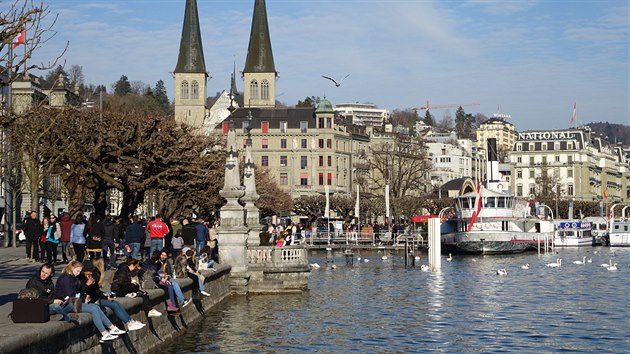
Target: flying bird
337, 84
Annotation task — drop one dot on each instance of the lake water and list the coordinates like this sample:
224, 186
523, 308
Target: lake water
381, 306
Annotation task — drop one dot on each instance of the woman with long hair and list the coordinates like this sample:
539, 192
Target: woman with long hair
50, 229
124, 283
93, 281
69, 286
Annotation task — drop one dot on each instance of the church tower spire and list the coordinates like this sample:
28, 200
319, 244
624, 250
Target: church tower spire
190, 72
259, 75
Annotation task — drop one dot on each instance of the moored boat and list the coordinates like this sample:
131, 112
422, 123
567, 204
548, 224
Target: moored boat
619, 233
573, 233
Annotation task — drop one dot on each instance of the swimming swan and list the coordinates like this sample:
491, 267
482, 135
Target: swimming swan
555, 265
613, 267
424, 268
525, 266
502, 271
580, 262
450, 257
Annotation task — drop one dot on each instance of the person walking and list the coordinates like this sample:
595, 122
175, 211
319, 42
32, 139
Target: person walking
33, 231
202, 235
65, 225
110, 241
77, 237
189, 233
134, 233
157, 230
52, 239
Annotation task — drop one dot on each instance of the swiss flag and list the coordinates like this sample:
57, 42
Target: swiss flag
20, 39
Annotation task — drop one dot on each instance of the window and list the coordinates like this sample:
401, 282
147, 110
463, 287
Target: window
303, 162
329, 161
544, 160
226, 127
264, 90
283, 143
519, 159
184, 88
303, 178
569, 159
570, 146
265, 144
532, 173
321, 179
264, 161
570, 189
264, 126
321, 143
283, 161
320, 123
570, 173
329, 143
245, 125
321, 161
532, 189
194, 90
519, 190
557, 158
531, 160
283, 127
303, 127
519, 147
329, 178
329, 122
519, 173
304, 144
284, 179
253, 88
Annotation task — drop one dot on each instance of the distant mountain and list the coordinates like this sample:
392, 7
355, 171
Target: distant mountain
616, 133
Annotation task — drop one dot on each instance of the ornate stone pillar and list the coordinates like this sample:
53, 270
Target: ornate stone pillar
251, 196
232, 233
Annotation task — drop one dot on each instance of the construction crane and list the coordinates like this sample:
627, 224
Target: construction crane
429, 107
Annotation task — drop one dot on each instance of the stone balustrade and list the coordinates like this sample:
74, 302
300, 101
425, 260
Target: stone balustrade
275, 258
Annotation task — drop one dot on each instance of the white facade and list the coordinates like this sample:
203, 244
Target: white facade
449, 162
363, 113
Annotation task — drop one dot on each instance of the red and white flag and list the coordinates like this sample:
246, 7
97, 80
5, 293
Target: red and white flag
20, 39
574, 112
477, 211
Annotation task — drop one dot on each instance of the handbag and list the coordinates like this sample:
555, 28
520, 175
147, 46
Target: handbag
57, 234
30, 311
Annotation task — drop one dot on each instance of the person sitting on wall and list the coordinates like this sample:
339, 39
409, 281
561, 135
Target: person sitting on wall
165, 279
43, 284
124, 283
92, 280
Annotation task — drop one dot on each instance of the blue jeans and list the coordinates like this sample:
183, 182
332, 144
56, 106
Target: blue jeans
156, 245
111, 247
173, 291
135, 249
117, 308
55, 309
98, 317
199, 245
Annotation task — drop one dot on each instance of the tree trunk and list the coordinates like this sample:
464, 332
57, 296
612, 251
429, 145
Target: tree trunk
100, 200
131, 200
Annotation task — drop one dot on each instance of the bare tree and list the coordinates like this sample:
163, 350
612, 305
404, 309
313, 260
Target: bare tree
401, 162
33, 18
75, 75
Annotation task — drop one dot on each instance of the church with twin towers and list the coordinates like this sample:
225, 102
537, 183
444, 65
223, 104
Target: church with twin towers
304, 148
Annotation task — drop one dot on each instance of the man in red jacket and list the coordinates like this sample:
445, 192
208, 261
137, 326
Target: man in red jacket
157, 230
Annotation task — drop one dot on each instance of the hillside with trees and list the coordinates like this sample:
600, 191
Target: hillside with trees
616, 133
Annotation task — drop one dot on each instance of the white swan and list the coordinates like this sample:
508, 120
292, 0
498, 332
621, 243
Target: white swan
384, 258
555, 265
314, 265
424, 268
525, 266
333, 267
607, 265
590, 260
502, 271
450, 257
366, 260
359, 258
580, 262
613, 267
417, 258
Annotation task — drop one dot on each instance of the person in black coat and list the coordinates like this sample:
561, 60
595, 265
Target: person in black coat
189, 233
43, 284
33, 230
134, 235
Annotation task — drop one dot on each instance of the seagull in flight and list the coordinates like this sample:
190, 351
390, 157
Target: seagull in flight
337, 84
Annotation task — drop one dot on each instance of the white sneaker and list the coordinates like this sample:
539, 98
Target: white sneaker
204, 293
135, 325
131, 295
108, 337
154, 313
117, 331
186, 302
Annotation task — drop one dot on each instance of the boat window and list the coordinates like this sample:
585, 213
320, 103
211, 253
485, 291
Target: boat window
466, 203
490, 202
568, 233
501, 202
586, 233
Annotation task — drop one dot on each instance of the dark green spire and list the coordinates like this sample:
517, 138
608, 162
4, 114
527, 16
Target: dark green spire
190, 48
259, 54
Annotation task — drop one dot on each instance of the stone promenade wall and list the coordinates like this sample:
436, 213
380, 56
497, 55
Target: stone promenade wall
63, 337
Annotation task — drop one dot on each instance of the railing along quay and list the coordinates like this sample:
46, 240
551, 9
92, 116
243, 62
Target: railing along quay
365, 240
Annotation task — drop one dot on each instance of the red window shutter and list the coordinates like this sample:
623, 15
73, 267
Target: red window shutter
226, 127
265, 127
